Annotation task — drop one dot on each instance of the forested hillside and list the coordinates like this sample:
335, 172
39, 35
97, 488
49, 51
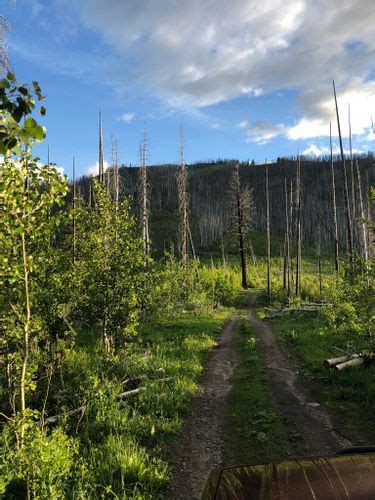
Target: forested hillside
209, 192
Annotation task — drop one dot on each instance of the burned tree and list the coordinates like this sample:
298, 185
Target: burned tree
143, 196
101, 160
242, 211
334, 208
346, 191
298, 226
4, 61
183, 201
268, 238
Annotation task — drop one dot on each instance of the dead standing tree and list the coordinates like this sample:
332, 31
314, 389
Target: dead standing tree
4, 28
268, 237
334, 207
101, 159
298, 227
242, 211
287, 243
346, 191
143, 197
183, 201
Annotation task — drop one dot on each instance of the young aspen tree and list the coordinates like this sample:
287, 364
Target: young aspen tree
346, 191
334, 209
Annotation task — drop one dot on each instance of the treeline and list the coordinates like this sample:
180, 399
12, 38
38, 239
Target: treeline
210, 198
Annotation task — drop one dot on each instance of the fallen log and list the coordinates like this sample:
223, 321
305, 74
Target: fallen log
332, 362
359, 360
81, 409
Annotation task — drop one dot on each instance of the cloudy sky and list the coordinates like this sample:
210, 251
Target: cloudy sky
248, 79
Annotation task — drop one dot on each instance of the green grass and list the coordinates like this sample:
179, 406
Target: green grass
254, 428
113, 452
350, 394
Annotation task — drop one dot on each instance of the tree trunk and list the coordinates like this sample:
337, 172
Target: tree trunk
268, 238
298, 224
334, 209
346, 191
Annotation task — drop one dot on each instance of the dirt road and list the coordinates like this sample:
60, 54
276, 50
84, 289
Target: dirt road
199, 449
309, 422
308, 427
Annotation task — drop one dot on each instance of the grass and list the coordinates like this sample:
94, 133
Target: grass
113, 452
350, 394
130, 457
254, 428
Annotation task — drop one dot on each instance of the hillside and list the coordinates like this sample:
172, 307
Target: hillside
210, 199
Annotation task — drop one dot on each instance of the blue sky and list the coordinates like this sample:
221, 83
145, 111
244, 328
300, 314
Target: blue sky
247, 79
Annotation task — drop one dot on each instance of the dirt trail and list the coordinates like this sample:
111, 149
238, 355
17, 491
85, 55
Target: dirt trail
307, 424
310, 425
199, 449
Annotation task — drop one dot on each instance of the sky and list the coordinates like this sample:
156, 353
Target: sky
247, 79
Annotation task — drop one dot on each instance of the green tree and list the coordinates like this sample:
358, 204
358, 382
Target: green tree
109, 273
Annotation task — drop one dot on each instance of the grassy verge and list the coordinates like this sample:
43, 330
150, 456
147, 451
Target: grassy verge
112, 452
127, 448
254, 428
350, 394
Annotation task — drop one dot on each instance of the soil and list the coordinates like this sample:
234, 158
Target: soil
307, 424
310, 430
199, 449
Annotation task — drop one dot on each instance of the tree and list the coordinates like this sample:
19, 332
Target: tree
183, 201
109, 270
268, 238
28, 218
242, 213
143, 197
4, 27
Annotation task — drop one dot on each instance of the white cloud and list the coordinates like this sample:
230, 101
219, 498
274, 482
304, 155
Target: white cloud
215, 125
191, 53
315, 150
93, 169
126, 117
194, 54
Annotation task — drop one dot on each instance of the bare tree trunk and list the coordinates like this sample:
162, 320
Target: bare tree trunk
363, 217
144, 202
268, 238
318, 254
182, 201
239, 217
223, 253
74, 213
191, 242
334, 210
353, 207
298, 224
101, 160
291, 222
287, 238
346, 191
